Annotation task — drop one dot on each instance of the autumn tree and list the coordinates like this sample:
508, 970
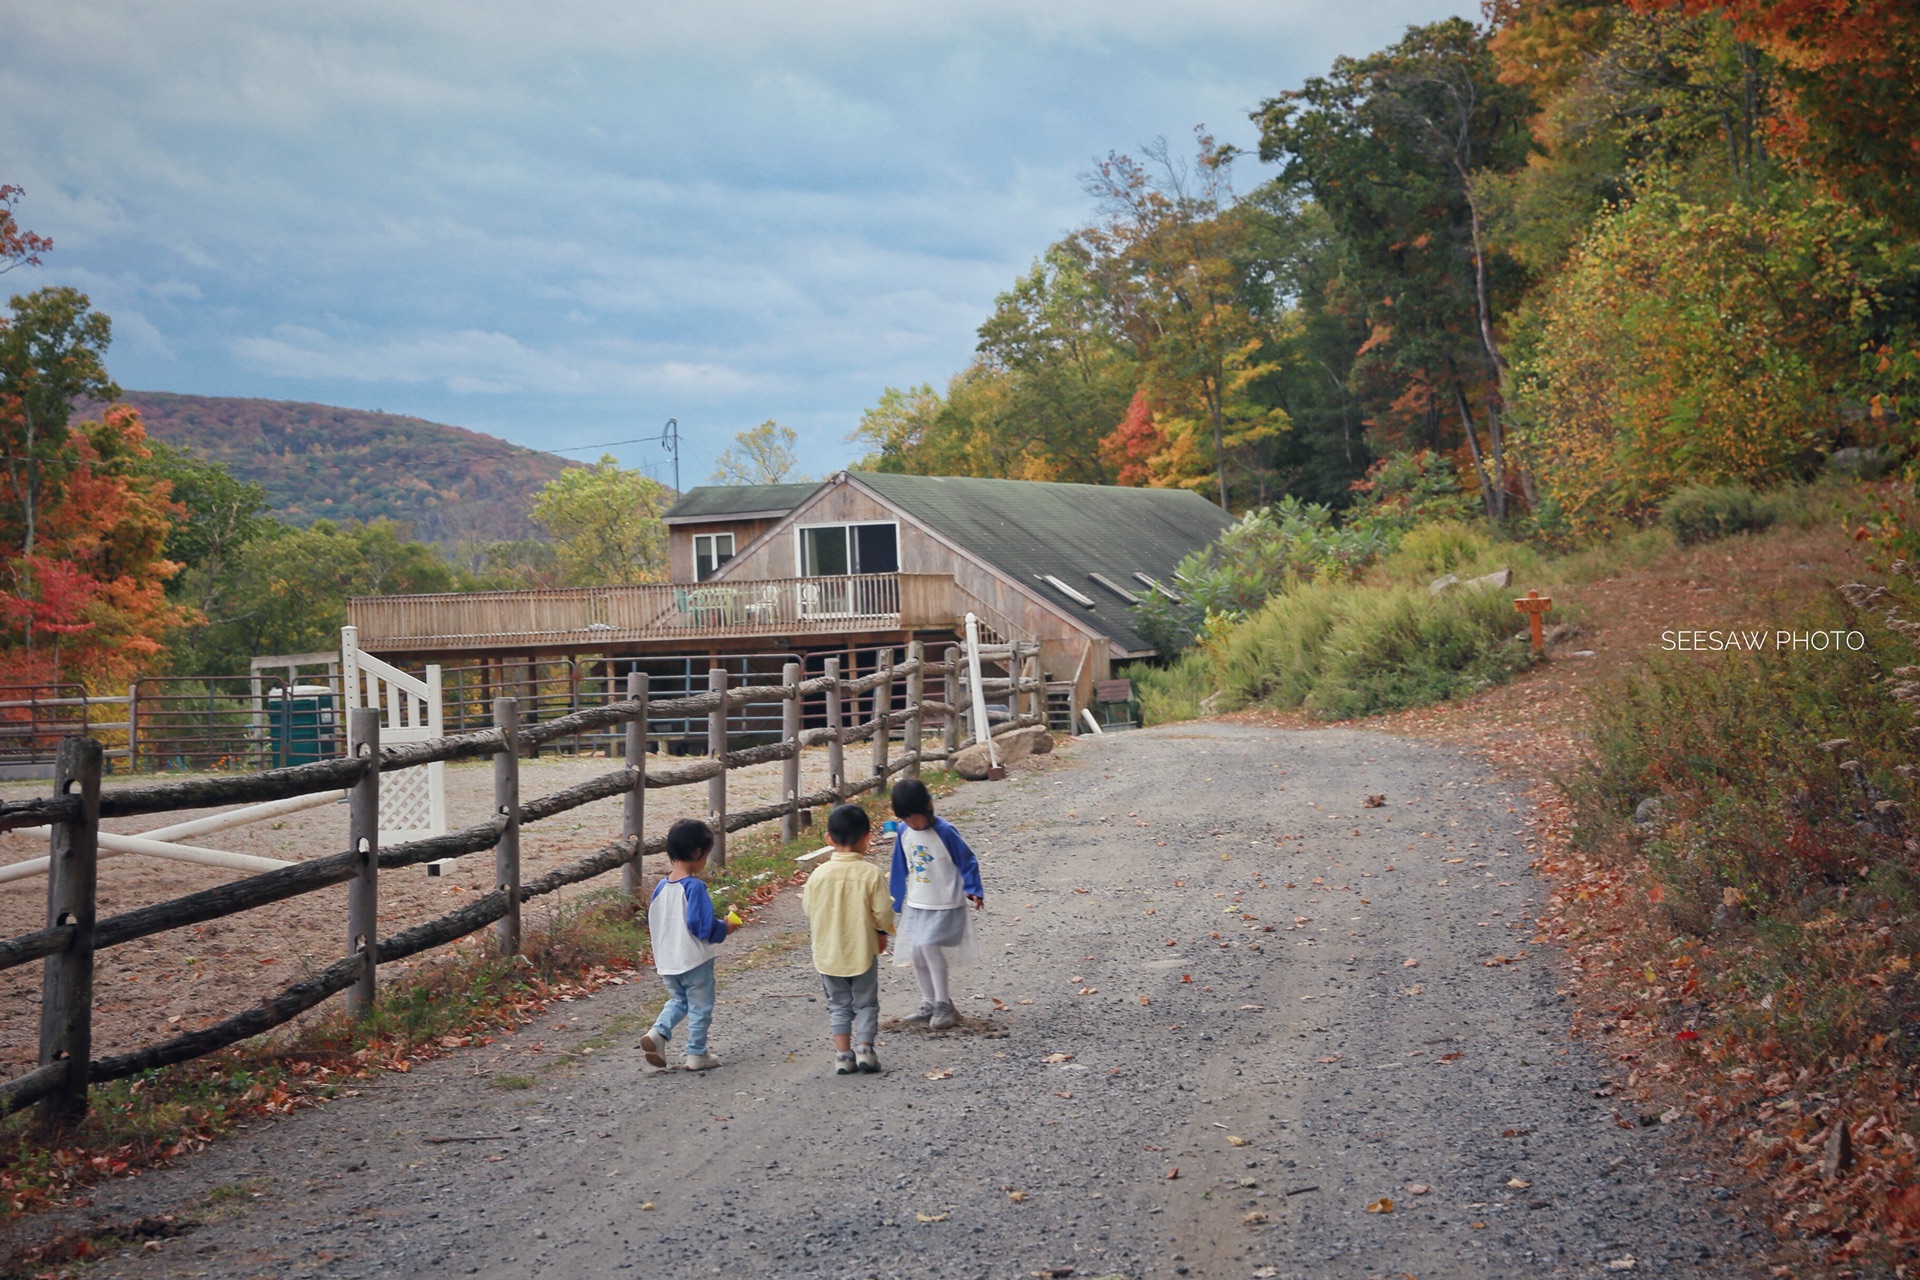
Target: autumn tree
607, 520
1167, 257
18, 246
1852, 75
1393, 146
52, 353
760, 455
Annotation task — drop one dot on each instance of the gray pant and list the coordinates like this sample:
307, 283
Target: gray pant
853, 1004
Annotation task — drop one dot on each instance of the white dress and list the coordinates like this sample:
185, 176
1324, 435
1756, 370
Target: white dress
935, 911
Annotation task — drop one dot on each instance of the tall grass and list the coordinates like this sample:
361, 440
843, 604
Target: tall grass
1340, 650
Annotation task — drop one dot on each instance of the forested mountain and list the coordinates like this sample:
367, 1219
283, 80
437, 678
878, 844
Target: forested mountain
319, 462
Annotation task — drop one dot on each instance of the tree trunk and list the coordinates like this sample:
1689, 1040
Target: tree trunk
1219, 441
1487, 491
1497, 504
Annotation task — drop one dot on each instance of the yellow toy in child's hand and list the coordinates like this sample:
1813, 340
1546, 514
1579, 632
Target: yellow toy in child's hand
733, 918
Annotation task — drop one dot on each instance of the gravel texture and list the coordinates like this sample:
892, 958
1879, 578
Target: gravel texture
1299, 1005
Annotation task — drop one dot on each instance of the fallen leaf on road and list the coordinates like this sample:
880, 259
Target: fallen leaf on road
931, 1217
1335, 1058
1414, 990
1455, 1056
1018, 1197
1627, 1263
1383, 1205
1478, 1226
1265, 1273
1252, 1008
1253, 1219
1058, 1057
1076, 979
1059, 1094
1234, 1140
942, 1074
1374, 802
1418, 1188
1029, 1000
1515, 1133
647, 1204
1172, 1174
1518, 1184
1144, 1001
1186, 977
1409, 964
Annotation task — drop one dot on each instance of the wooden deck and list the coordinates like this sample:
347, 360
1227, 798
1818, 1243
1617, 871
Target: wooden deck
592, 618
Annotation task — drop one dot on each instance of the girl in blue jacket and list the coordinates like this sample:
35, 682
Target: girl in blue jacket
934, 877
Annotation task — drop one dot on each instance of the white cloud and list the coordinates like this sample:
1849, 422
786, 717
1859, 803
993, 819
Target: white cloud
732, 211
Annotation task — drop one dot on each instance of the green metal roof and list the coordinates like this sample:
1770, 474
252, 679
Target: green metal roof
719, 501
1028, 528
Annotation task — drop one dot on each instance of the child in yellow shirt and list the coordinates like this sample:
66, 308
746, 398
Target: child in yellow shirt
851, 915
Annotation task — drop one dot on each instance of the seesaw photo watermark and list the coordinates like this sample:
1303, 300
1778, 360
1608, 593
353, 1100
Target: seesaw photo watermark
1758, 639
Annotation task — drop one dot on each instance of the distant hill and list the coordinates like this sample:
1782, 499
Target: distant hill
318, 462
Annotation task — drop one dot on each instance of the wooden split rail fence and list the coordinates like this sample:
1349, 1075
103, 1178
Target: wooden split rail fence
73, 935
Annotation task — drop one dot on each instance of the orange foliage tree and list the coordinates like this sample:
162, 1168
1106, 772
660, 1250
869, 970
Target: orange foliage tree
1694, 344
1852, 70
94, 589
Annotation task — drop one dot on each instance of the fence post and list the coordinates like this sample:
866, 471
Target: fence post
882, 708
506, 803
836, 750
1038, 695
790, 767
953, 702
363, 828
916, 689
717, 745
633, 879
66, 988
133, 728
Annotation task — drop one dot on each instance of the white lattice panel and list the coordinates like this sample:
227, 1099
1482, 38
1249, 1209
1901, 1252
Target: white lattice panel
413, 802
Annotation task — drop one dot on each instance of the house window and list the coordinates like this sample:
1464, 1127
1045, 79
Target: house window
829, 550
710, 551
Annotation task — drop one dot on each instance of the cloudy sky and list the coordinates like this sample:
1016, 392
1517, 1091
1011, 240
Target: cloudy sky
565, 223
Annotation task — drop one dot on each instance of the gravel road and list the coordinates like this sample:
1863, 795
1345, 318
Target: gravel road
1226, 1007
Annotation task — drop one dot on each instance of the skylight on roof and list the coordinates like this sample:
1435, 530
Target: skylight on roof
1065, 590
1114, 587
1158, 585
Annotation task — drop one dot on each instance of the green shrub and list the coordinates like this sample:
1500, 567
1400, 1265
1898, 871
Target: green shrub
1341, 650
1174, 691
1703, 512
1430, 550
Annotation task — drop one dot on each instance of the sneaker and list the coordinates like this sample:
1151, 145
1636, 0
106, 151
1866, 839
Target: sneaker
843, 1064
654, 1046
864, 1059
701, 1062
943, 1016
918, 1018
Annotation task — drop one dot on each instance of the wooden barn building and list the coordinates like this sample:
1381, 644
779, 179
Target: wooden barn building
860, 563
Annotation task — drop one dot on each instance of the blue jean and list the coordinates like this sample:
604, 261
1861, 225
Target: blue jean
689, 996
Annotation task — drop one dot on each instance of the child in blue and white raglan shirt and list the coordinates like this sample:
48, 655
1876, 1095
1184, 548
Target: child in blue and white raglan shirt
684, 932
934, 877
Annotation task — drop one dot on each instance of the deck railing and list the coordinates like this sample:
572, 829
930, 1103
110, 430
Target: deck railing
587, 616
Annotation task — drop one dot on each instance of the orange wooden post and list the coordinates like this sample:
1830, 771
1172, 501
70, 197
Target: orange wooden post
1533, 604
